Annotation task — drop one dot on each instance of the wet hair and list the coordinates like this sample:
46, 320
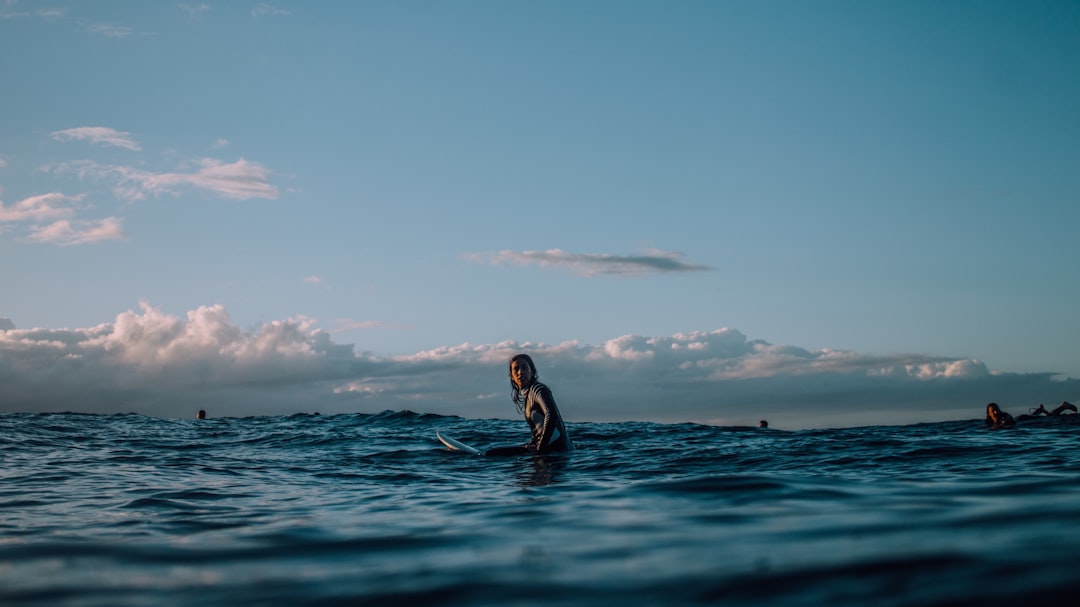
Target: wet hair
515, 392
993, 406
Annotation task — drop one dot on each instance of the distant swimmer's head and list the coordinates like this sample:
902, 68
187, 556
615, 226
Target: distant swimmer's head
522, 371
201, 414
763, 424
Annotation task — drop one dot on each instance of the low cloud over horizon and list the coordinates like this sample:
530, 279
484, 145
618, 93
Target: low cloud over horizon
156, 364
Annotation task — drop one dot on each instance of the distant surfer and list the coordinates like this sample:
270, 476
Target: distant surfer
201, 414
997, 419
1041, 410
535, 401
763, 423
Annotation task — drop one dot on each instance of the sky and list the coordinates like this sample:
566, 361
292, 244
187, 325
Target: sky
826, 214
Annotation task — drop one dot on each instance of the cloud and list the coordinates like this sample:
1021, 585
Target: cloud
53, 213
55, 209
150, 362
67, 233
193, 10
36, 208
265, 10
110, 31
98, 134
593, 264
313, 280
8, 12
240, 180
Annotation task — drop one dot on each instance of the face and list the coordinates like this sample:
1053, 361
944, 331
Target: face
992, 412
521, 373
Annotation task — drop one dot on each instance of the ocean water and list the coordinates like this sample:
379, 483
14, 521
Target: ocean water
371, 510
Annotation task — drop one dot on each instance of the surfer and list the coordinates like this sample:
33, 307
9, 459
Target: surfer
997, 419
1041, 410
201, 414
535, 401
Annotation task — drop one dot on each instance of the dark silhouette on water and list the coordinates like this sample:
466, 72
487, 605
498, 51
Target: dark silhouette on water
1041, 410
997, 419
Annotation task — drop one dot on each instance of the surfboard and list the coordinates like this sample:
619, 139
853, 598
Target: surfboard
456, 445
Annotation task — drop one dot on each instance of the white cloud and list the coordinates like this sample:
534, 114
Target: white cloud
313, 280
193, 10
98, 134
46, 219
241, 180
220, 143
593, 264
8, 11
265, 10
37, 208
151, 362
110, 31
67, 233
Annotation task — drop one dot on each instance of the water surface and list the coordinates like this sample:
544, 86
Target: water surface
371, 509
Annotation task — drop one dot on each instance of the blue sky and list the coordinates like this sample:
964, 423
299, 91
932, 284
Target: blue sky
428, 187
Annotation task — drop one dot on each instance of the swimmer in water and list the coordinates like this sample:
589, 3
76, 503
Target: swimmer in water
536, 402
201, 414
997, 419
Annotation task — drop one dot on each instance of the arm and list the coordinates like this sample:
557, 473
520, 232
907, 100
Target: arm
545, 404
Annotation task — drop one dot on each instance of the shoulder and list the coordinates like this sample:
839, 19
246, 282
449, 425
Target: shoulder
538, 391
540, 388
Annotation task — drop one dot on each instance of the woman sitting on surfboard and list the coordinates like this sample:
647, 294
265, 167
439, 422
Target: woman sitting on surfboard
534, 399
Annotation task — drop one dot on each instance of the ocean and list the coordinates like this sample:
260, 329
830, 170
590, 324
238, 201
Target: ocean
369, 509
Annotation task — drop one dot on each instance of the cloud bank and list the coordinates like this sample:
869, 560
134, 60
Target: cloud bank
594, 264
154, 363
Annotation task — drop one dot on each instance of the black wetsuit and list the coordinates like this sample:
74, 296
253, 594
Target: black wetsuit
1007, 421
542, 414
